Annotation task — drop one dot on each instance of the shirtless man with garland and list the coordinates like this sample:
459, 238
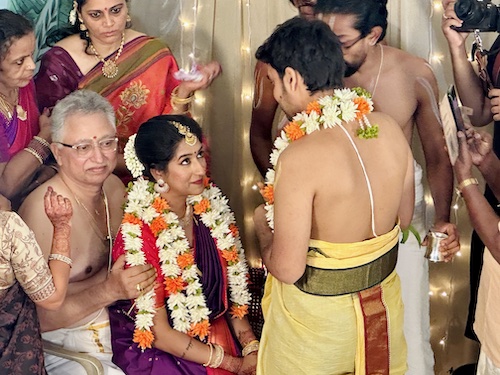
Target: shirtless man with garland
404, 87
86, 156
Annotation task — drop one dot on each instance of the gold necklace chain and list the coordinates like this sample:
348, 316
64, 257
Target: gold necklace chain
109, 66
379, 70
184, 221
94, 223
7, 107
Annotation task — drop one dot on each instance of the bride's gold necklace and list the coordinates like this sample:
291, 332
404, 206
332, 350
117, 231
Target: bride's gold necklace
7, 107
109, 66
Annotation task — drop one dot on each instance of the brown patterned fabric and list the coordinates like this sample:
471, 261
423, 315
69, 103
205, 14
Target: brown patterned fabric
21, 350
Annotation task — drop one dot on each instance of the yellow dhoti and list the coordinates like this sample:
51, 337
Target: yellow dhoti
356, 333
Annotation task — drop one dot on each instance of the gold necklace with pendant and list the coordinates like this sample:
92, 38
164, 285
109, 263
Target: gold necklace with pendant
7, 107
109, 66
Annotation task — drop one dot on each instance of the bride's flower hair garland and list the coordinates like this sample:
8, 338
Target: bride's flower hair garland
344, 105
183, 289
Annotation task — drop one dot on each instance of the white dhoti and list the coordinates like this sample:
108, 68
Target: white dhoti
486, 366
93, 338
413, 270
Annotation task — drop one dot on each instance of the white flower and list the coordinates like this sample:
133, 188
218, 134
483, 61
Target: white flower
270, 214
311, 123
225, 242
282, 141
200, 314
273, 158
135, 258
134, 207
210, 218
131, 160
344, 94
331, 116
220, 230
133, 243
144, 320
270, 174
170, 269
180, 246
194, 301
148, 214
348, 111
132, 229
146, 302
177, 232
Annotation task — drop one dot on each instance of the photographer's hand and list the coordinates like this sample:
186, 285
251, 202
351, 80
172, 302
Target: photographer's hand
494, 95
455, 39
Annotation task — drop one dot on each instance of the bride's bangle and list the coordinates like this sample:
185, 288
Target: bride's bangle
61, 258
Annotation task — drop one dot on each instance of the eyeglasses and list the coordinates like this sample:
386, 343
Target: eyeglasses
351, 43
86, 148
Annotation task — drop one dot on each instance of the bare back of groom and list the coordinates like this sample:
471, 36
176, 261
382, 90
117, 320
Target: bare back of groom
343, 178
404, 87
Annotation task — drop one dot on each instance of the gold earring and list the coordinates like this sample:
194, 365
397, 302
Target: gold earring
128, 18
82, 25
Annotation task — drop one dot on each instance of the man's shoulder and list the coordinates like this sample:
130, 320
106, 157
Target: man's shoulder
114, 189
406, 61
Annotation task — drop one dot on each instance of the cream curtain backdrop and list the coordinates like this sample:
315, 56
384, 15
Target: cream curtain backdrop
230, 31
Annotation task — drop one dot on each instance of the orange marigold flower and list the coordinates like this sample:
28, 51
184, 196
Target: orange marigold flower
174, 285
200, 329
239, 311
206, 181
230, 255
131, 218
160, 204
201, 207
267, 193
143, 338
363, 107
185, 260
234, 230
293, 131
157, 225
313, 107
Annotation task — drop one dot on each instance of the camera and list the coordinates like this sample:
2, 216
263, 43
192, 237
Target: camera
480, 15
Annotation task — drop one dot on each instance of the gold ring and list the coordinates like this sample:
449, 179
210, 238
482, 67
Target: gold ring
138, 287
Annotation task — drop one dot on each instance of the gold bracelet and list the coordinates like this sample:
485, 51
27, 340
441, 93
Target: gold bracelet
467, 182
175, 100
251, 347
35, 154
211, 353
61, 258
42, 141
218, 357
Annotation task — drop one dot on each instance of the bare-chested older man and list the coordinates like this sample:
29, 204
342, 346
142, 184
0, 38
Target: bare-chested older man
84, 145
404, 87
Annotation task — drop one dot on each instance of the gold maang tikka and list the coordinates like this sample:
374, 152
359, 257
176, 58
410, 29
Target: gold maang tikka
189, 137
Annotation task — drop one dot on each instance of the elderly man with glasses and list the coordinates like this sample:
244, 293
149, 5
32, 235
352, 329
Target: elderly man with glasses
84, 145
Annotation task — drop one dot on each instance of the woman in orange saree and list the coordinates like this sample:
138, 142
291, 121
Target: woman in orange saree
136, 75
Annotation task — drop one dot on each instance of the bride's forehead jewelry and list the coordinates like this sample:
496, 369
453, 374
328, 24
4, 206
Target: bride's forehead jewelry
73, 13
189, 137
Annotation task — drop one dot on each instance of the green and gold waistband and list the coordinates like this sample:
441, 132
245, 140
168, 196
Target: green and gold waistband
336, 282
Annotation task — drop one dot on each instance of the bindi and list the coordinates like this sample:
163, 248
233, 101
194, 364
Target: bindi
94, 137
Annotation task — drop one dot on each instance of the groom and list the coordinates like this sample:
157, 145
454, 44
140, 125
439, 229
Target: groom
344, 189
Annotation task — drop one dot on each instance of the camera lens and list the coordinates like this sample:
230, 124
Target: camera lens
469, 11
